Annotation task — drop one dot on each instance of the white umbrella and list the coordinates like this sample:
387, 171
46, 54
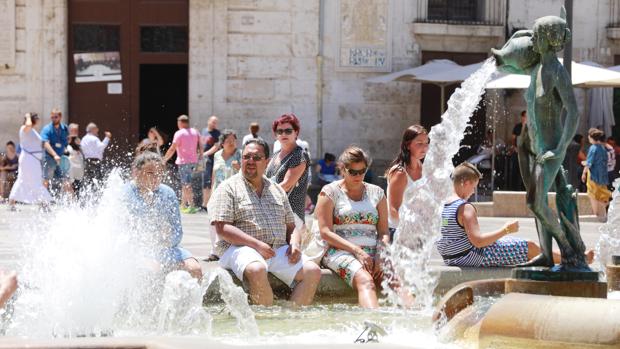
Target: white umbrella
601, 105
412, 74
585, 75
503, 81
433, 72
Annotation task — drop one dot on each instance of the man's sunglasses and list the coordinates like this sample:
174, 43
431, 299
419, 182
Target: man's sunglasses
281, 131
353, 172
254, 157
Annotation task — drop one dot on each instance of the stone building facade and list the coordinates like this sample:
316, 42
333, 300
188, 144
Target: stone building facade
252, 60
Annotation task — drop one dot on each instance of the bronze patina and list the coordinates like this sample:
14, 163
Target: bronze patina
551, 124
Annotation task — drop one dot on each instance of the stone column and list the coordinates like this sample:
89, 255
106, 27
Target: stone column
207, 58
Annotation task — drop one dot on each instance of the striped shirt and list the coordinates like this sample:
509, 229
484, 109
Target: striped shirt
454, 245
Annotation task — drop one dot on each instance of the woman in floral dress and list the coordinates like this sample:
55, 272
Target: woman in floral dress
352, 218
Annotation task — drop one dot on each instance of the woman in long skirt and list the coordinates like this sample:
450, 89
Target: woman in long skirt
29, 187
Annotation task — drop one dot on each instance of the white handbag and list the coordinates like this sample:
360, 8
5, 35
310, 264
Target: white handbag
313, 247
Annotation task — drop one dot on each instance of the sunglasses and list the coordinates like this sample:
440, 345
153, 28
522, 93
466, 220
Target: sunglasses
353, 172
281, 131
255, 157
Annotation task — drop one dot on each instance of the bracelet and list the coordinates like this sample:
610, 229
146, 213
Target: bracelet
506, 231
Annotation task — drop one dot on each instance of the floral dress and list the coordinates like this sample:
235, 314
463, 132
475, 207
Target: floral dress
355, 221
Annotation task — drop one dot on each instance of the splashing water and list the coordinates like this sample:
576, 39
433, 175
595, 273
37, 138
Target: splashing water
86, 272
609, 242
236, 300
420, 215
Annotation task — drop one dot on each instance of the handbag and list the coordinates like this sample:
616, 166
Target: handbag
313, 247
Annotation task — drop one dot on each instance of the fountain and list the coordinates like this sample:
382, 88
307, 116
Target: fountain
527, 314
81, 278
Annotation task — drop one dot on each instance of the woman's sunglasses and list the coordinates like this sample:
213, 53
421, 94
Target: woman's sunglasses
281, 131
353, 172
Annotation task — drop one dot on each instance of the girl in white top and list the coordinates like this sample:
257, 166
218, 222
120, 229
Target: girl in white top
405, 170
29, 187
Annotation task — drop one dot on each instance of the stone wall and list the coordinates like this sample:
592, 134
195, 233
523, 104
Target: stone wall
38, 80
255, 60
252, 60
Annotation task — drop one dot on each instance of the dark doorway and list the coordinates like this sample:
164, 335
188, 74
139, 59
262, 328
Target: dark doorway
431, 100
163, 97
140, 33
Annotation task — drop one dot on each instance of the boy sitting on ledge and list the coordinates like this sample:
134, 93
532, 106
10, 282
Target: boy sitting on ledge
463, 244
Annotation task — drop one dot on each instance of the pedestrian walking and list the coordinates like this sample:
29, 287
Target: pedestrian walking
93, 148
595, 174
55, 136
186, 144
29, 186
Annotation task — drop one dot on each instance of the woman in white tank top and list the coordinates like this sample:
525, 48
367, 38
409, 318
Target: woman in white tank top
405, 170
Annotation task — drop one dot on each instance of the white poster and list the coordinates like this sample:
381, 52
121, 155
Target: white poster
97, 66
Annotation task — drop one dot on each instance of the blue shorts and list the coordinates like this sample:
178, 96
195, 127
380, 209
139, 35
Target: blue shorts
52, 170
206, 175
185, 173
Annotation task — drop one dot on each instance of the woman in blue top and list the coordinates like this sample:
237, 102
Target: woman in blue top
595, 174
154, 208
463, 244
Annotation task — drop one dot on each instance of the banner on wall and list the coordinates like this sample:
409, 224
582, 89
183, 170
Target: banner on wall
97, 66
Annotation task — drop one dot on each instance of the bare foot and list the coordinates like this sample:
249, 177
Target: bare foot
589, 256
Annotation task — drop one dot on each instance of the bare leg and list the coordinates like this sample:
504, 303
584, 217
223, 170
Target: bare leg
594, 205
192, 266
190, 196
537, 202
527, 156
601, 213
533, 250
68, 188
308, 277
366, 291
260, 290
8, 285
206, 194
185, 196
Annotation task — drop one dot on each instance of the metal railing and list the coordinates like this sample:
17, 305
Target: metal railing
467, 12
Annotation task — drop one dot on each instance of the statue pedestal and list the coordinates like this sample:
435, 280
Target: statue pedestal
543, 281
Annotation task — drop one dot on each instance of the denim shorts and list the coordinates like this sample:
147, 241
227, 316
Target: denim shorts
52, 170
185, 173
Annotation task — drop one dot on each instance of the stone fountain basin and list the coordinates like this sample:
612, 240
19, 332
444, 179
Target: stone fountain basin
154, 343
332, 288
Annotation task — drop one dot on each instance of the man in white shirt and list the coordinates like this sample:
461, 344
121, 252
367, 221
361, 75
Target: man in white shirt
92, 149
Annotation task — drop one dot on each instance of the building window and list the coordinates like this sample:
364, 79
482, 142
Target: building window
163, 39
453, 10
96, 38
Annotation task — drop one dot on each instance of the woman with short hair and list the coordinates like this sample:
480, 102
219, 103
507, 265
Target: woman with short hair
154, 207
289, 165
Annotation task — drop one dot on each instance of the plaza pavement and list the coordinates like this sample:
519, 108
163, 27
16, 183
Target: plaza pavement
196, 240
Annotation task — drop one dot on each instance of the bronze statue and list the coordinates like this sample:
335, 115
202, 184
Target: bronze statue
551, 124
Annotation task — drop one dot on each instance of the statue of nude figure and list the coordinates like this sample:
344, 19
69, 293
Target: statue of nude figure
551, 124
